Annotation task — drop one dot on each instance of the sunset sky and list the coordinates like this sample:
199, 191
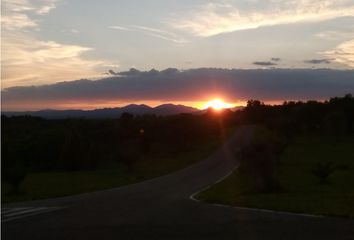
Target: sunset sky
200, 50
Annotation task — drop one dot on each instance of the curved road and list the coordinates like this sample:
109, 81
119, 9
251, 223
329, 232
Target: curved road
162, 209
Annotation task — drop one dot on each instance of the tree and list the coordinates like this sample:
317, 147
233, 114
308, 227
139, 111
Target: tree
259, 160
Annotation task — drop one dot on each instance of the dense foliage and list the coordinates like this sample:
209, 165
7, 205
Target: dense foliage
31, 144
260, 160
335, 116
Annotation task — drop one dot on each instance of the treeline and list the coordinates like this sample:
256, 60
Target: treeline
32, 144
335, 116
277, 126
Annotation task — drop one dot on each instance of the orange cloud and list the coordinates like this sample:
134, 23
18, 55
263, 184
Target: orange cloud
343, 53
27, 60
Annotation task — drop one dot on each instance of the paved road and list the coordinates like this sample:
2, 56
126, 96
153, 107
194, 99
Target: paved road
162, 209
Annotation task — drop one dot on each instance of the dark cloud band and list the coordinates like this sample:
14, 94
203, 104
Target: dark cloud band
266, 63
318, 61
192, 85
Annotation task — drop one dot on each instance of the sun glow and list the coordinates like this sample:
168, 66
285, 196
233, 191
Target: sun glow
217, 104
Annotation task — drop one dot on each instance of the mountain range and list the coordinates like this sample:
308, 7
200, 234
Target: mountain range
164, 109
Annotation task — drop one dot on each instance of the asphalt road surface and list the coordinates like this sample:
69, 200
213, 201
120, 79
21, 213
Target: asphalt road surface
162, 209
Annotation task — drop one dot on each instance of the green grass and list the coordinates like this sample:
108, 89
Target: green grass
301, 191
55, 184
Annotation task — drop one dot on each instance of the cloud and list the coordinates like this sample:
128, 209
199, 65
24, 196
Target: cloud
227, 16
273, 61
73, 31
27, 60
14, 16
153, 32
111, 72
189, 85
343, 33
343, 53
265, 63
15, 13
319, 61
131, 72
46, 7
119, 28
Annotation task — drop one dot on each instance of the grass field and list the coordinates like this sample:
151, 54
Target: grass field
301, 191
54, 184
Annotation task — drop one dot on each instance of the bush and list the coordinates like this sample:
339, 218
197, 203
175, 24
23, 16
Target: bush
15, 174
323, 170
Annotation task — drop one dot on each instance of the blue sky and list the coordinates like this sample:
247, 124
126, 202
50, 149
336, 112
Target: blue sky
50, 41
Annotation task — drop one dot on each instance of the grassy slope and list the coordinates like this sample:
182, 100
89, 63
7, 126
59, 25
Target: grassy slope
301, 192
55, 184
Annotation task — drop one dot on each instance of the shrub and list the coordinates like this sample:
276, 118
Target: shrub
15, 174
323, 170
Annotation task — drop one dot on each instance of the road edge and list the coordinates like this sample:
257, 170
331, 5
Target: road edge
260, 210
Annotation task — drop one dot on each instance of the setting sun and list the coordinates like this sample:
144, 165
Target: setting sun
217, 104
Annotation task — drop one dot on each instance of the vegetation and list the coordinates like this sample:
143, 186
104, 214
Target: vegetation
300, 155
258, 162
309, 169
323, 170
48, 158
40, 185
301, 191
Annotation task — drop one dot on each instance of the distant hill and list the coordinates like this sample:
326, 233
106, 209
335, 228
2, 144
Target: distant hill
165, 109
